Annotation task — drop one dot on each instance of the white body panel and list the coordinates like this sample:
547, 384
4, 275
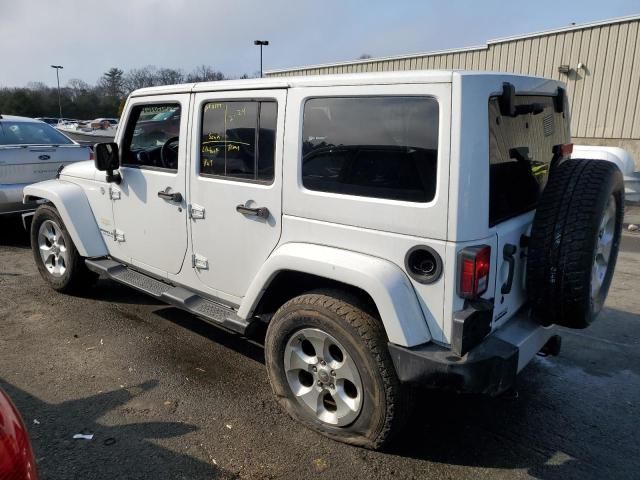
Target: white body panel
234, 245
385, 282
154, 229
381, 245
356, 240
71, 202
469, 185
428, 220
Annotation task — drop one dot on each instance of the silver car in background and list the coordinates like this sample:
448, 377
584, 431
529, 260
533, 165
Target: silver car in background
31, 151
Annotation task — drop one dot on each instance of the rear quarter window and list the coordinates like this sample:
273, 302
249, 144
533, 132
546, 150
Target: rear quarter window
380, 147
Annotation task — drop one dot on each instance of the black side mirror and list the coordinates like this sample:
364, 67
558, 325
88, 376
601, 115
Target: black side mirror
107, 159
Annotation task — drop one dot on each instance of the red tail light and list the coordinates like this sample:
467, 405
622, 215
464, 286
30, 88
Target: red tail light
92, 156
566, 149
563, 150
474, 264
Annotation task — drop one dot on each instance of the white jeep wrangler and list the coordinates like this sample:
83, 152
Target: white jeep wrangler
393, 229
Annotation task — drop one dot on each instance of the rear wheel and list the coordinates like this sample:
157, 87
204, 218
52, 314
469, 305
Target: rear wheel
56, 256
330, 369
574, 243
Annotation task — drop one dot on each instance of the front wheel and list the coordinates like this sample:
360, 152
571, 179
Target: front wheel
330, 369
55, 255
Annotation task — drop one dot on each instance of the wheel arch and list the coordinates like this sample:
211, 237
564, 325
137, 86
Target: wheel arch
73, 207
379, 283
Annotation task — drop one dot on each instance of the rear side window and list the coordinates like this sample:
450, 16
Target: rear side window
238, 140
381, 147
520, 152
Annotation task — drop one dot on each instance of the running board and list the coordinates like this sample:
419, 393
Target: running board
180, 297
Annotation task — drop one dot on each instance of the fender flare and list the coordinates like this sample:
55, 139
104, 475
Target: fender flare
73, 206
384, 281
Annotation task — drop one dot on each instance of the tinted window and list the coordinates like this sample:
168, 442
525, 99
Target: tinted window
30, 133
238, 140
150, 142
383, 147
520, 154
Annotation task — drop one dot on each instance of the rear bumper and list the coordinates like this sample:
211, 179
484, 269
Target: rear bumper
11, 199
489, 368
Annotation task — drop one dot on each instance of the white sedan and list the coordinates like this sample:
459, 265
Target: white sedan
621, 158
31, 151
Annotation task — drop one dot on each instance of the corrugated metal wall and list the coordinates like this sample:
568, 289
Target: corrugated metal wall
605, 99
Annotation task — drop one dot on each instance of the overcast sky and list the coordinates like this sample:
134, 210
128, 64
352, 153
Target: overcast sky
88, 37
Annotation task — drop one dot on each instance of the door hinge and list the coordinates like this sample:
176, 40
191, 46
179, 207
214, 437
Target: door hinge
118, 235
199, 262
196, 211
114, 194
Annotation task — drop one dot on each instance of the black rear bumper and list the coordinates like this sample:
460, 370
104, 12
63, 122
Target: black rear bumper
489, 368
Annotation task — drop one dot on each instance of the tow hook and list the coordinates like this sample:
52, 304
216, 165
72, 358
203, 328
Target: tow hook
552, 347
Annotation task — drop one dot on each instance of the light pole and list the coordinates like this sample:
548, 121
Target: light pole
262, 43
58, 67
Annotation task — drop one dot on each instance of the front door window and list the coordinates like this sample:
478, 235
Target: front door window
150, 209
152, 137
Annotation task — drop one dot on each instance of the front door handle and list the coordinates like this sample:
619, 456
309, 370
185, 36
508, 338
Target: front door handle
262, 212
174, 197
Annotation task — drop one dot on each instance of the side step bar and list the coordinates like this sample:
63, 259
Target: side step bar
180, 297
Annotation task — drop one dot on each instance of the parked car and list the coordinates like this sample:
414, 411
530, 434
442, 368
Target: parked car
424, 228
50, 120
155, 127
31, 151
621, 158
90, 132
55, 120
16, 455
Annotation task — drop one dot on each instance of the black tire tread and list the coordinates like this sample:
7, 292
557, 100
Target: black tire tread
561, 240
371, 332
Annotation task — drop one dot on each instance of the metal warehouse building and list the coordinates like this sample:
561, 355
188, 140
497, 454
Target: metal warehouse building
600, 62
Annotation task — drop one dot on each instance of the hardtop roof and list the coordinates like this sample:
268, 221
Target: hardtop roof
369, 78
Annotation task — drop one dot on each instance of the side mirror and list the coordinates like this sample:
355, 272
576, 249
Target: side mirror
107, 159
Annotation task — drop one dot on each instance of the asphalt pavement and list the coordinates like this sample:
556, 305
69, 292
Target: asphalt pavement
167, 396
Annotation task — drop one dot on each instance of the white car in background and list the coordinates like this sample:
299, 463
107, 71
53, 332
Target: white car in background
623, 160
31, 151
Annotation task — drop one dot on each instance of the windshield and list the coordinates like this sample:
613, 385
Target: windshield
164, 115
30, 133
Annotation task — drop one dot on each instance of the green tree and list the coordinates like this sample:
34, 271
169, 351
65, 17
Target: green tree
112, 82
204, 73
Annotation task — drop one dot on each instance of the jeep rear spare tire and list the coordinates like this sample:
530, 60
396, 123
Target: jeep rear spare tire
574, 242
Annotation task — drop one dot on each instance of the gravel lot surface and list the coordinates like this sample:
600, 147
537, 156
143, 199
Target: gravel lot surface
168, 396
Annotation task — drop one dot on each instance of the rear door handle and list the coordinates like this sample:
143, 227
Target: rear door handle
174, 197
262, 212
